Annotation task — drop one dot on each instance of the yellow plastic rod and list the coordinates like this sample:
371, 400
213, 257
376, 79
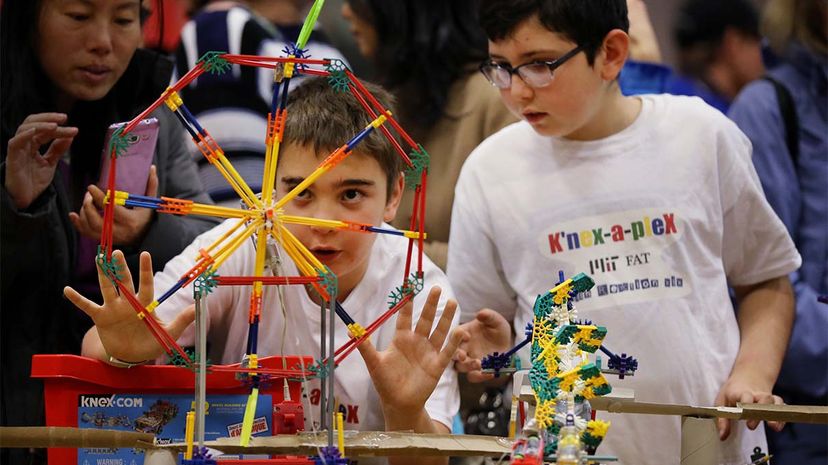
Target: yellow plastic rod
249, 414
189, 430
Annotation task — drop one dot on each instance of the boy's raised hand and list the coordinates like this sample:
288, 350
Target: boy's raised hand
122, 334
488, 332
406, 373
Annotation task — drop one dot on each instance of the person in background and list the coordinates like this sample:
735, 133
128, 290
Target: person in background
72, 68
720, 51
788, 128
233, 106
428, 55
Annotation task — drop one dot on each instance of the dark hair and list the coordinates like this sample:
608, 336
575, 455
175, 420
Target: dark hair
705, 21
585, 22
423, 48
26, 89
324, 119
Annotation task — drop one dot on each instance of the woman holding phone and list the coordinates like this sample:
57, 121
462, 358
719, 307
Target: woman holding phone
70, 69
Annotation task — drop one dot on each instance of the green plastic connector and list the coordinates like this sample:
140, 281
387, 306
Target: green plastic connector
581, 282
329, 282
214, 63
413, 285
543, 305
118, 143
319, 369
419, 163
111, 270
337, 77
204, 284
179, 361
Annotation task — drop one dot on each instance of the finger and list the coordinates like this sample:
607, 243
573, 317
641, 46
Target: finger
53, 117
46, 132
21, 140
426, 320
460, 355
120, 263
404, 316
722, 424
57, 148
749, 398
108, 289
479, 377
467, 364
369, 354
489, 318
777, 425
181, 321
152, 182
91, 218
97, 195
438, 337
26, 128
76, 221
87, 306
145, 284
448, 351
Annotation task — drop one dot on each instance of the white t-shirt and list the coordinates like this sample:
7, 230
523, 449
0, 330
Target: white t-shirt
228, 308
662, 215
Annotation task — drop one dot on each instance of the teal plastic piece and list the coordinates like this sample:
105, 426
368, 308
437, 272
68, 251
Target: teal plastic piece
543, 305
337, 77
565, 334
413, 286
214, 63
119, 143
319, 369
330, 282
204, 284
111, 270
419, 163
581, 282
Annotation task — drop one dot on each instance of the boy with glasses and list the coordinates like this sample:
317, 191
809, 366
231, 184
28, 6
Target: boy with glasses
654, 196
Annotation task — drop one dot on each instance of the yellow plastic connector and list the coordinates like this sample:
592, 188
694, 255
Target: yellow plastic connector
381, 119
174, 101
414, 235
149, 308
356, 330
289, 67
597, 428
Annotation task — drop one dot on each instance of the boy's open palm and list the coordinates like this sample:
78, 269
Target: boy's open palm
406, 373
122, 333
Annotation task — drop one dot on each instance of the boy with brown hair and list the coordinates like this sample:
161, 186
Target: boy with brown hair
654, 196
408, 380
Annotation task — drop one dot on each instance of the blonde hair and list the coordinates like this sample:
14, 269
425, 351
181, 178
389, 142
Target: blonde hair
784, 21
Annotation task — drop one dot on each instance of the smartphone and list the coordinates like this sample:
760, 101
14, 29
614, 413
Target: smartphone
133, 167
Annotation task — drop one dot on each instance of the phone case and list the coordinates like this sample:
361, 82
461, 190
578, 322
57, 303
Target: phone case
132, 168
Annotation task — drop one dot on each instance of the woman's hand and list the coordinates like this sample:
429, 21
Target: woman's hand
28, 172
129, 224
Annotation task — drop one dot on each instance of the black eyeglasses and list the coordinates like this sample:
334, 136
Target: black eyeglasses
536, 74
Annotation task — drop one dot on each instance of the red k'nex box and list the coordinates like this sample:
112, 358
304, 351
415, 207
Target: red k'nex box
86, 393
